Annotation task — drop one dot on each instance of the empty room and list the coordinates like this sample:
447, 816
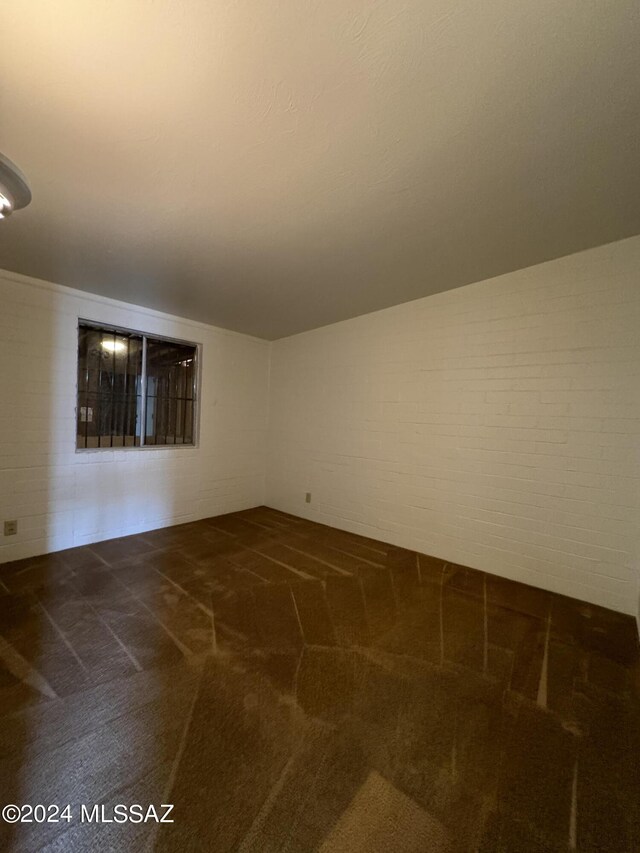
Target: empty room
320, 426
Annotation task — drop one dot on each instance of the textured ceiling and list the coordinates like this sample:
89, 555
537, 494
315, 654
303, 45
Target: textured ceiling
275, 165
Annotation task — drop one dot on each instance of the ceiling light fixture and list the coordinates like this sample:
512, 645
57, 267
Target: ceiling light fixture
14, 189
113, 346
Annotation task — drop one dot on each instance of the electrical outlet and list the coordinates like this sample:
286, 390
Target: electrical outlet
307, 498
10, 528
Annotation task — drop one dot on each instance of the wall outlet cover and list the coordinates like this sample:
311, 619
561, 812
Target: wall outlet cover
10, 528
307, 497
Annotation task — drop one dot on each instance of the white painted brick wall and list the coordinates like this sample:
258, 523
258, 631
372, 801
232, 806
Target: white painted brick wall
62, 498
497, 425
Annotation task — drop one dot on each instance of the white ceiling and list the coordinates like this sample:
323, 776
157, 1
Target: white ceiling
275, 165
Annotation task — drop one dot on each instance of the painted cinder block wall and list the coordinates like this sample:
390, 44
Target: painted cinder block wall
496, 425
62, 498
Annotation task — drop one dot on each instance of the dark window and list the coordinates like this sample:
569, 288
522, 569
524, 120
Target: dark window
171, 373
134, 390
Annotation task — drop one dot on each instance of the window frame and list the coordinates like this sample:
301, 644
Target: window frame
197, 384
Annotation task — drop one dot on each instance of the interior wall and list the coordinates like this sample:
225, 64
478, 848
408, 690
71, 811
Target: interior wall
62, 498
496, 425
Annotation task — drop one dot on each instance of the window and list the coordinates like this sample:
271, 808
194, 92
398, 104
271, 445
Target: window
134, 390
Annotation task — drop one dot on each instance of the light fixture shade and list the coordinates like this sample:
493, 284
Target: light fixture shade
14, 189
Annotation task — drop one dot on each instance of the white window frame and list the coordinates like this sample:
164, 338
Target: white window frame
197, 384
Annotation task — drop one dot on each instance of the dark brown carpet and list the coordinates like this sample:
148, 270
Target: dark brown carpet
290, 687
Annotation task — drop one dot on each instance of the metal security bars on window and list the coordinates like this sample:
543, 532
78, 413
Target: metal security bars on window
134, 390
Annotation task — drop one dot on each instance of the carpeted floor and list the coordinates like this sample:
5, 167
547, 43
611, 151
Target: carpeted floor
290, 687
